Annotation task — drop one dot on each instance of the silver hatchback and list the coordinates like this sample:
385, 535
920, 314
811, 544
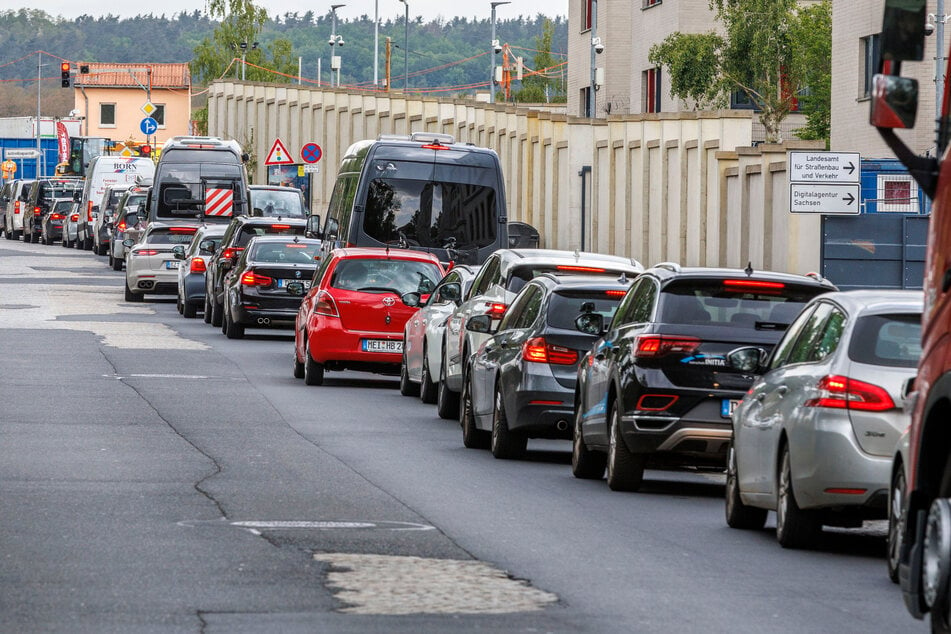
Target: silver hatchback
814, 437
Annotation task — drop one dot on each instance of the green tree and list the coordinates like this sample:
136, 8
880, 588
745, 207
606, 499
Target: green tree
813, 59
759, 55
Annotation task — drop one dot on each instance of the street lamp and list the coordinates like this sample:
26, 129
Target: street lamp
935, 24
597, 47
244, 52
376, 42
335, 40
496, 49
405, 45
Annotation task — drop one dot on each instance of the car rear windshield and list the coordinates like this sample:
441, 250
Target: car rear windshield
113, 201
285, 252
386, 275
62, 206
272, 202
249, 231
431, 205
174, 235
187, 190
889, 340
133, 202
519, 276
59, 189
739, 303
565, 306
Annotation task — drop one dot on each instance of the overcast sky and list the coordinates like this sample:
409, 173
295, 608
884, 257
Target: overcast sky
429, 9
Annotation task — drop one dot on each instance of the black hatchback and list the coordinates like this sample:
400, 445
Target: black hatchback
656, 388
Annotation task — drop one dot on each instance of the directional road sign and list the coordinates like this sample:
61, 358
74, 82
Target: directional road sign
825, 167
278, 154
825, 198
148, 126
311, 153
21, 153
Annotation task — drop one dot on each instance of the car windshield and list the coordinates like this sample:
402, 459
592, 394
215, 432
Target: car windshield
276, 202
386, 275
565, 306
741, 303
174, 235
133, 202
249, 231
284, 252
888, 340
62, 206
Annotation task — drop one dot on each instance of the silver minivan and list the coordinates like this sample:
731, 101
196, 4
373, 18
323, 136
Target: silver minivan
19, 198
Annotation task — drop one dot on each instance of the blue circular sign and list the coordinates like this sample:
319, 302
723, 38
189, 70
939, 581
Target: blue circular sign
311, 153
148, 126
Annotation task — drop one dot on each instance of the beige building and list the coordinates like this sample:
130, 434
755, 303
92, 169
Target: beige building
111, 96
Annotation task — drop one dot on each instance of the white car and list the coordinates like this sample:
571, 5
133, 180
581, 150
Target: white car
496, 283
422, 335
71, 226
151, 265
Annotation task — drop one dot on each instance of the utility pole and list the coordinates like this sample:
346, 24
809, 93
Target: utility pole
594, 34
376, 43
940, 18
389, 57
39, 146
495, 49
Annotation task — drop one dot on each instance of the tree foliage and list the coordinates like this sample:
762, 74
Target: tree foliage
813, 59
539, 88
692, 60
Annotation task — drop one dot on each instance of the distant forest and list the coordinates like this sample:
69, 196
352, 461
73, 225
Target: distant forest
439, 44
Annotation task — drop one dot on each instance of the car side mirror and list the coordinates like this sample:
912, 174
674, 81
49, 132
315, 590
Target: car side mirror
590, 323
179, 251
312, 229
450, 293
295, 288
77, 196
207, 246
413, 300
480, 323
226, 264
128, 242
747, 359
894, 102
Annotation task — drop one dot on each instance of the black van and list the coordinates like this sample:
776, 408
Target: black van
423, 192
200, 178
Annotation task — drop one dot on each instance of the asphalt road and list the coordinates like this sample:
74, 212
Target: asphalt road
155, 476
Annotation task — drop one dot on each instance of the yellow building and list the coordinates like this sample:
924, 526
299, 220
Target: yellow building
111, 97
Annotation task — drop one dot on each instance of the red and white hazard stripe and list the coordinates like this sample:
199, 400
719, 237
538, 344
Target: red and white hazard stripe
219, 202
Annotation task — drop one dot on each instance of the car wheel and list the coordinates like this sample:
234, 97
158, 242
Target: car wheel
189, 310
428, 389
87, 244
224, 320
313, 371
896, 521
34, 238
178, 305
447, 401
206, 313
298, 364
16, 235
78, 243
407, 387
216, 313
232, 330
625, 468
505, 444
472, 436
738, 514
585, 464
795, 528
130, 296
65, 242
934, 563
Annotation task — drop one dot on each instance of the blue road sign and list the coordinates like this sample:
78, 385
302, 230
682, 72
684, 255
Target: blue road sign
148, 126
310, 153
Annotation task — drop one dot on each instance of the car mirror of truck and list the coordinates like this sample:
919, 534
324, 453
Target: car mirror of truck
225, 264
747, 359
894, 102
128, 242
313, 227
179, 251
77, 196
903, 30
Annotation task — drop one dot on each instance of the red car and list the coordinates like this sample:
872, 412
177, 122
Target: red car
353, 315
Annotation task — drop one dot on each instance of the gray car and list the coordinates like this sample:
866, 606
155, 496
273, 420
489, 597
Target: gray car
191, 272
814, 438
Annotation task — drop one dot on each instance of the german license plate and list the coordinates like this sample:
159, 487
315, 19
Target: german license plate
382, 345
171, 264
281, 283
727, 407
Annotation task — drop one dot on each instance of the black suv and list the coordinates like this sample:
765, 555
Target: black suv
656, 388
235, 239
40, 199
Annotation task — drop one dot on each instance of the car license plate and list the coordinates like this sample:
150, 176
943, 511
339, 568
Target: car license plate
281, 283
728, 406
171, 264
382, 345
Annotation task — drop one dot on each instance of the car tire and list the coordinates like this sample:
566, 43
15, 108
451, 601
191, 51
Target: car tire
16, 235
206, 313
178, 305
130, 296
117, 264
407, 387
428, 389
216, 313
504, 443
65, 242
933, 539
298, 365
189, 310
896, 521
313, 371
447, 401
585, 464
87, 244
472, 436
738, 514
231, 329
795, 528
77, 243
34, 238
625, 468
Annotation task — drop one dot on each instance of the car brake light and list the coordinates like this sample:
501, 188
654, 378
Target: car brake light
615, 293
280, 226
89, 211
326, 305
121, 226
197, 265
574, 268
841, 392
435, 146
655, 346
537, 350
752, 284
656, 402
230, 252
37, 211
146, 252
183, 229
16, 207
75, 218
56, 216
495, 310
253, 279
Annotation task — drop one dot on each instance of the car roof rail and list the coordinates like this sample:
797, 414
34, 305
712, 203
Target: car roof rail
670, 266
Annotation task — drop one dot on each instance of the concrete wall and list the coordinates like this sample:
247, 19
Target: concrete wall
680, 187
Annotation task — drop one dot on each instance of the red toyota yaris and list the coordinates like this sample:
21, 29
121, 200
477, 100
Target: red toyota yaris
353, 315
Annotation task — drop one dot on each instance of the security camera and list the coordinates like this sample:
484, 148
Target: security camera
598, 45
929, 28
496, 47
331, 41
340, 42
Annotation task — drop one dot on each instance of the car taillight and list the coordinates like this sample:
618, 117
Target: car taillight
435, 146
282, 227
617, 293
146, 252
495, 310
573, 268
655, 346
758, 285
121, 226
16, 207
537, 350
326, 305
841, 392
89, 211
230, 252
56, 216
197, 265
37, 211
75, 218
253, 279
183, 229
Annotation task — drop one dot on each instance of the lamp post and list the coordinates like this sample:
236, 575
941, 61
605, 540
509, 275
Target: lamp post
405, 45
376, 42
495, 49
936, 22
595, 44
244, 52
335, 40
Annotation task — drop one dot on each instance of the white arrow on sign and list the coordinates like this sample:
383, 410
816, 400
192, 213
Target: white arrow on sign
825, 167
825, 198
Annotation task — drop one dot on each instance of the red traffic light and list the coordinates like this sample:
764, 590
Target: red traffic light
145, 150
64, 67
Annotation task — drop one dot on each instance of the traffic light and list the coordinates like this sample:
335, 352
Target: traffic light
145, 150
64, 67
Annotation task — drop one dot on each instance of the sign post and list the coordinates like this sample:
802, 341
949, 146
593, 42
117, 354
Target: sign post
825, 182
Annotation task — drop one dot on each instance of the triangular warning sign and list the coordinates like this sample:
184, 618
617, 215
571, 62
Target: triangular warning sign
278, 155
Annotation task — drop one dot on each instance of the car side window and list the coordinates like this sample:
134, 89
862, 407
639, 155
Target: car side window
785, 345
638, 305
831, 335
485, 277
321, 270
436, 297
804, 349
514, 313
533, 306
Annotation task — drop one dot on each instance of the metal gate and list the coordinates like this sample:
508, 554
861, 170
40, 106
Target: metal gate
874, 250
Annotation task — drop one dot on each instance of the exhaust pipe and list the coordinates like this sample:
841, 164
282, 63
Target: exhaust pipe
562, 425
263, 321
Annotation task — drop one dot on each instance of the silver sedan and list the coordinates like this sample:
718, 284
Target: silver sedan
814, 438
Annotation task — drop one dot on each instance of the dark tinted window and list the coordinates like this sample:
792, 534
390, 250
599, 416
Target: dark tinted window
382, 275
275, 202
62, 206
59, 189
721, 303
184, 190
170, 236
249, 231
284, 252
110, 203
890, 340
565, 306
486, 276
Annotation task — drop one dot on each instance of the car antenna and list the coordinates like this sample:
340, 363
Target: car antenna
296, 239
749, 269
623, 278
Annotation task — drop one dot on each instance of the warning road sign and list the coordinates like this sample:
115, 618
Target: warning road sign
278, 154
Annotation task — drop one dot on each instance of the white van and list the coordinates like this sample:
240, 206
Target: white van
102, 172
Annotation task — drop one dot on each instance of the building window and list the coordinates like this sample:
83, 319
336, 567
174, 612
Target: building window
651, 79
107, 115
586, 101
647, 4
897, 192
871, 60
159, 114
586, 12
